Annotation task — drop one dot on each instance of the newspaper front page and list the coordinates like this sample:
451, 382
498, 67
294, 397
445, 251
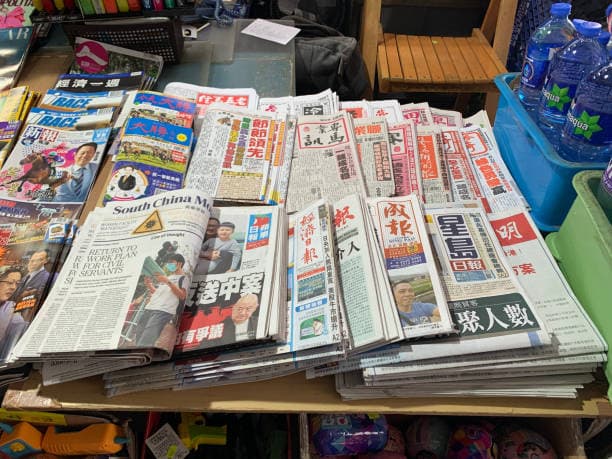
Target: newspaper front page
405, 158
434, 177
232, 156
231, 293
420, 300
375, 156
325, 162
125, 281
363, 298
420, 114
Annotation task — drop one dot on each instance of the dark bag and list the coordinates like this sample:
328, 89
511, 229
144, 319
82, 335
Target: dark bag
324, 58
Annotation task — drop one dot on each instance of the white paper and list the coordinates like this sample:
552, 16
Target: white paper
166, 444
271, 31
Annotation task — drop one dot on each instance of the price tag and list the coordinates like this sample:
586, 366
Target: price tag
166, 444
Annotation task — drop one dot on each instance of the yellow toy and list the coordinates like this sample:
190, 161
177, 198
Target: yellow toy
93, 439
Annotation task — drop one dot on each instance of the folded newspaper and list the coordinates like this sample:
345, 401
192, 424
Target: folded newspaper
124, 284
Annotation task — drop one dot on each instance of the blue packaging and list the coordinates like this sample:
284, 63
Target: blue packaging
570, 65
587, 134
543, 44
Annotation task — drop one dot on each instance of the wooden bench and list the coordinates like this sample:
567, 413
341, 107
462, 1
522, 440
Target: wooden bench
410, 63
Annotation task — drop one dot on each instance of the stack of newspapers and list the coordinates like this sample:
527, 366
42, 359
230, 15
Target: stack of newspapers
402, 260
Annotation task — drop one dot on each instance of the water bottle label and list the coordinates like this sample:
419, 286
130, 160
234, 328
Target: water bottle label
606, 180
586, 124
534, 72
558, 97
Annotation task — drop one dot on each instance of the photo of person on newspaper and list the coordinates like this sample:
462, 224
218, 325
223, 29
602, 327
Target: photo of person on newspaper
11, 324
166, 293
220, 254
241, 325
413, 297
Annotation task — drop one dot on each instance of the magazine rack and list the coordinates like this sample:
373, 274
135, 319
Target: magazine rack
161, 36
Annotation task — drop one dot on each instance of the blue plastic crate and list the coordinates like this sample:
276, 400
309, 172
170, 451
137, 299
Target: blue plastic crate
542, 175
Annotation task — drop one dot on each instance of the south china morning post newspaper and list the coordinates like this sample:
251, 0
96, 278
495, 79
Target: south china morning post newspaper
122, 280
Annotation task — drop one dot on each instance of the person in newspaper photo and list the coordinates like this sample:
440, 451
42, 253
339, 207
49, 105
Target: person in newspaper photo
11, 324
241, 325
82, 174
220, 254
37, 277
412, 296
166, 294
211, 228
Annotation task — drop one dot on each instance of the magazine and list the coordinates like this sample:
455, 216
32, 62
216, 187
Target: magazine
124, 283
9, 130
158, 107
325, 148
86, 82
102, 58
14, 46
12, 102
30, 251
49, 164
71, 121
56, 99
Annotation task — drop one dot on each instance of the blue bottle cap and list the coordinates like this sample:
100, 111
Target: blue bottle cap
560, 9
577, 21
588, 29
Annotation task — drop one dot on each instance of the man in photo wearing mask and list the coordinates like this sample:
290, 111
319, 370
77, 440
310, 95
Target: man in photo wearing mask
166, 296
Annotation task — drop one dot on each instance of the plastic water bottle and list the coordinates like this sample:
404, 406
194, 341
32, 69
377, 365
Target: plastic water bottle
545, 41
587, 133
604, 40
604, 192
568, 67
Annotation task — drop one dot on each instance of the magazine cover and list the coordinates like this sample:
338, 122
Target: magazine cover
53, 165
14, 46
12, 102
71, 121
161, 145
57, 99
96, 57
8, 133
85, 82
231, 292
29, 252
16, 13
157, 106
131, 180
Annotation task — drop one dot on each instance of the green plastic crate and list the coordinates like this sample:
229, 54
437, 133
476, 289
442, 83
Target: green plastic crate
583, 249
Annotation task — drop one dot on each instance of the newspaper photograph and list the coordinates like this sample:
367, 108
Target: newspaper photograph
375, 156
405, 158
232, 156
124, 283
419, 298
231, 292
325, 148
